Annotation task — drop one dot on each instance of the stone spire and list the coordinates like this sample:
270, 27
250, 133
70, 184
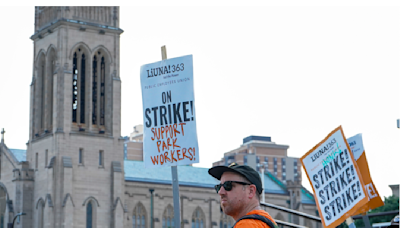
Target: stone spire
2, 135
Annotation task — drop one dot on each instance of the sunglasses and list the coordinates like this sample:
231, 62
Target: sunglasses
228, 185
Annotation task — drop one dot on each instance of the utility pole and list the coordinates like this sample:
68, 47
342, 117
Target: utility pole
262, 167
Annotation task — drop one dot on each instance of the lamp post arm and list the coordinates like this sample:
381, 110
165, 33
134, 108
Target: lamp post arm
11, 225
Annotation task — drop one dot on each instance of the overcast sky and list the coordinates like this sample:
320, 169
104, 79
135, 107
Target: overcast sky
292, 72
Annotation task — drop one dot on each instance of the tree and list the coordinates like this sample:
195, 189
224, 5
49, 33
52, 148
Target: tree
391, 204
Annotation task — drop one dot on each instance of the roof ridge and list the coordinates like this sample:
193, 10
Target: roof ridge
276, 180
307, 193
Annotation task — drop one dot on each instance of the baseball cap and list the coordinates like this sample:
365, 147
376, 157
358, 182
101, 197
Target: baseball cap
249, 173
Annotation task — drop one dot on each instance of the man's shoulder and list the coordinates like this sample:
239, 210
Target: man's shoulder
251, 223
255, 219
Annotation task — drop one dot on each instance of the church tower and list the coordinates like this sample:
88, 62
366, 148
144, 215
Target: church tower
75, 146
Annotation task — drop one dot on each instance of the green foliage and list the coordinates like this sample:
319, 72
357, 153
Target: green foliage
344, 225
360, 223
391, 204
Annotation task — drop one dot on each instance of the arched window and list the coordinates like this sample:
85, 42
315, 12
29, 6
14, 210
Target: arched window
89, 215
42, 91
168, 217
49, 89
82, 90
226, 221
91, 205
75, 89
40, 84
98, 89
198, 218
139, 216
3, 200
102, 90
78, 87
279, 216
94, 90
40, 214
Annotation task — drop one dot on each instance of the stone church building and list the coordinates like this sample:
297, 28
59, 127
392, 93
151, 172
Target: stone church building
73, 173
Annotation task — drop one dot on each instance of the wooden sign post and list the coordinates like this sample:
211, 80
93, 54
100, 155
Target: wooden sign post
174, 171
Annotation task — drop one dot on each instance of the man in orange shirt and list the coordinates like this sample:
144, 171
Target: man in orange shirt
239, 191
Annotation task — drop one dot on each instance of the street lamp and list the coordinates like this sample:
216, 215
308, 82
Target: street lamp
11, 225
151, 208
262, 166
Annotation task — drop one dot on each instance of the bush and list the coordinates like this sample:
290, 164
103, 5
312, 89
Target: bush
391, 204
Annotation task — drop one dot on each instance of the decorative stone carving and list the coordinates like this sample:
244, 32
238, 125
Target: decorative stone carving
66, 70
56, 68
114, 75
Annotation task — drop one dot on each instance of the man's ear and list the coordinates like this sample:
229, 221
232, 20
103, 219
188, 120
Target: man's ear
253, 191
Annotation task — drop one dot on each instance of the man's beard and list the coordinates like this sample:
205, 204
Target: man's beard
227, 208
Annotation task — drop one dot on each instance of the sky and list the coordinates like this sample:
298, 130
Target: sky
291, 71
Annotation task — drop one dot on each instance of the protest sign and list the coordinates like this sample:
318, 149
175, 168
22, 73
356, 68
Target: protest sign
169, 120
335, 179
357, 148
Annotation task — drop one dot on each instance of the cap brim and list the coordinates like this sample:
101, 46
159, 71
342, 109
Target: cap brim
217, 171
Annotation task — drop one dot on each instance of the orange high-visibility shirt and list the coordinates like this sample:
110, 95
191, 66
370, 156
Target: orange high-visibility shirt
254, 222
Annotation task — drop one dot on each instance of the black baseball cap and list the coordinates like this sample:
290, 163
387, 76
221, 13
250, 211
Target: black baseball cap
249, 173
